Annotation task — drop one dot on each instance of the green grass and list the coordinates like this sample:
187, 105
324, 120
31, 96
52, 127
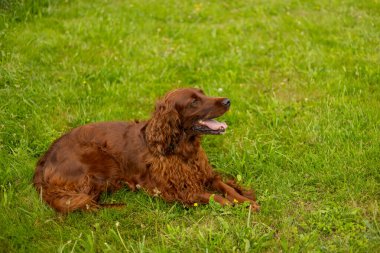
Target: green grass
304, 128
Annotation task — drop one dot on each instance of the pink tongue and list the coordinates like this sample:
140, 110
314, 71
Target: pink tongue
213, 124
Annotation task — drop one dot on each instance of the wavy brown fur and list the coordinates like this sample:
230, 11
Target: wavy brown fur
162, 155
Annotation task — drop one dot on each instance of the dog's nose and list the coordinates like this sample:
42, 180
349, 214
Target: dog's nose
226, 102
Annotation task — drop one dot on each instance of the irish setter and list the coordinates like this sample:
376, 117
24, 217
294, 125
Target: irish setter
162, 155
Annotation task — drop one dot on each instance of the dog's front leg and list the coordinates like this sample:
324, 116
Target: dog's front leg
245, 192
232, 195
204, 198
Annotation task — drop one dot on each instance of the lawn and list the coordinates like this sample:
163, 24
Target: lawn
304, 126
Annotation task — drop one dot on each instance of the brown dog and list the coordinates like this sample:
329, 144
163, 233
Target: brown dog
163, 156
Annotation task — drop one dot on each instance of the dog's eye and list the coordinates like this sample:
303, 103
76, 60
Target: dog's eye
194, 102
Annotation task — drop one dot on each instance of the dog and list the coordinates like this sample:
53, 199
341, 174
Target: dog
162, 155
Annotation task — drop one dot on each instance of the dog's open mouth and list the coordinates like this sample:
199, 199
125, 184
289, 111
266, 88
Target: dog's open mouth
210, 126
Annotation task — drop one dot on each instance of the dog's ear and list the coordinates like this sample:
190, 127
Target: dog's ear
163, 129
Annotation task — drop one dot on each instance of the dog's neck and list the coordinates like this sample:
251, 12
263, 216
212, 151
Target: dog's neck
186, 148
186, 145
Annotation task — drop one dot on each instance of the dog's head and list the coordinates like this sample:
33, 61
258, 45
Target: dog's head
186, 111
196, 111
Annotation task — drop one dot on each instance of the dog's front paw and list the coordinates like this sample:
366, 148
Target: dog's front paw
254, 207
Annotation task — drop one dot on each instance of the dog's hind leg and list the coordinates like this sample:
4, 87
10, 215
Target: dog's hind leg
66, 202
